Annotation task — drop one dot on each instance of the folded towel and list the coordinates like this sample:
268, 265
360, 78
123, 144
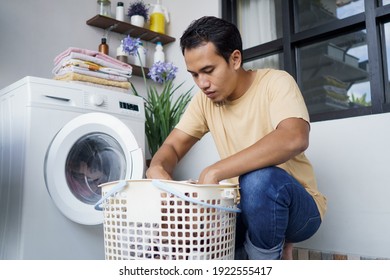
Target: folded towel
91, 53
82, 63
96, 67
85, 71
95, 62
71, 76
99, 86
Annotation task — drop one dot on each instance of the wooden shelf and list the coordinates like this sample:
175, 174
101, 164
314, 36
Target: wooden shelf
129, 29
138, 72
126, 28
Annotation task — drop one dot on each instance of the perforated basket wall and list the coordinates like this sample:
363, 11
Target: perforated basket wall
143, 222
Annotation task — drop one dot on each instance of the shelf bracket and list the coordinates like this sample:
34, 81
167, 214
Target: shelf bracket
109, 29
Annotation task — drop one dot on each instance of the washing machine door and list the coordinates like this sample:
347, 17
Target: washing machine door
89, 150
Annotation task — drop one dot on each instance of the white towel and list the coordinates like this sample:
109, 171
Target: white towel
95, 60
84, 71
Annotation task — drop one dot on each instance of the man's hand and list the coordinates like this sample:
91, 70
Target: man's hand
169, 154
157, 172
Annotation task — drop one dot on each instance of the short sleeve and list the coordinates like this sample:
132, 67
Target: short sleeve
193, 121
286, 99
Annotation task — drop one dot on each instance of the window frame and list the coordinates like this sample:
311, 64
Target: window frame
372, 19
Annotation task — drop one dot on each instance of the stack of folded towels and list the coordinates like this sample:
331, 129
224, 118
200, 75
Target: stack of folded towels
92, 67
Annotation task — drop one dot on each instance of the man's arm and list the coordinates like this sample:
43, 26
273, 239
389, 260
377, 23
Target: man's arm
289, 139
169, 154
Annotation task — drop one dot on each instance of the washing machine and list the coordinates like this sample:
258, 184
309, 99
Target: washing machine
58, 142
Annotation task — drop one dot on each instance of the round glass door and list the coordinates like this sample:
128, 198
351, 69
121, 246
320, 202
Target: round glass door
94, 159
90, 150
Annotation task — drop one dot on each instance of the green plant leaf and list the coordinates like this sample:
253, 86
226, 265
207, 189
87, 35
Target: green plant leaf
162, 113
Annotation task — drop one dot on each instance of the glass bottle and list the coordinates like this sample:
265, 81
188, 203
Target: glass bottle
103, 47
104, 7
121, 55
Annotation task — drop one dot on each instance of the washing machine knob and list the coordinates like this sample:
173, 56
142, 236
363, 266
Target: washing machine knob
97, 100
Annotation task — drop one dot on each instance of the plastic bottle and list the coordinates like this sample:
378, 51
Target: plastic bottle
159, 53
103, 47
140, 59
158, 17
121, 55
120, 12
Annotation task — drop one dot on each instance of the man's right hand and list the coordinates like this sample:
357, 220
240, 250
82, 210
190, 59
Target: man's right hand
157, 172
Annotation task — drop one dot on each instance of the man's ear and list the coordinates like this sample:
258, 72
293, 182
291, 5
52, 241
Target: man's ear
236, 58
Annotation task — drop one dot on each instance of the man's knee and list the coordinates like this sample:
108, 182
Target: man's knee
260, 180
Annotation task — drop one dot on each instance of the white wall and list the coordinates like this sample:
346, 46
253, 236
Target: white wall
33, 32
350, 156
351, 159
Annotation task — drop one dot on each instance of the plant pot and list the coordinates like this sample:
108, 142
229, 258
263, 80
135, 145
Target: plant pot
137, 21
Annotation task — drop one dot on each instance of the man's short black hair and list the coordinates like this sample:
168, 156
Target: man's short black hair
223, 34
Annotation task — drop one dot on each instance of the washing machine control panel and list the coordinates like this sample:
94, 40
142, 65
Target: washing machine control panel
129, 106
96, 100
113, 102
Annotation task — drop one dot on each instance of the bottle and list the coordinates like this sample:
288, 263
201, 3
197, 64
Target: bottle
159, 55
140, 59
121, 55
158, 17
120, 12
103, 47
104, 7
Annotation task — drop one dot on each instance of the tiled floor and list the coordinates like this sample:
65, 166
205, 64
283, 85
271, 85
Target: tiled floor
306, 254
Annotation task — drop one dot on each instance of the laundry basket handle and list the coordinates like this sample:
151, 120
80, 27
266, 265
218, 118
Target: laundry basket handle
171, 190
117, 188
165, 187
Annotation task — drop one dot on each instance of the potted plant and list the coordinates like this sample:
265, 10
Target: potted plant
138, 13
162, 112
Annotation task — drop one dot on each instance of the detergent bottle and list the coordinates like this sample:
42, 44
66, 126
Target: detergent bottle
159, 55
158, 17
140, 58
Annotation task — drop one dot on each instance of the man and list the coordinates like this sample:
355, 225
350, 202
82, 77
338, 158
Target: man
260, 124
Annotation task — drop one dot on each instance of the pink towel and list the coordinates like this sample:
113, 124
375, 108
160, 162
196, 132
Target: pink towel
97, 54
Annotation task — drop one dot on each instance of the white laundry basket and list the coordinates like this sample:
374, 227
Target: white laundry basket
168, 220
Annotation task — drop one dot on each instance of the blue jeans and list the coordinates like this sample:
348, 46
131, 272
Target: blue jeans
276, 208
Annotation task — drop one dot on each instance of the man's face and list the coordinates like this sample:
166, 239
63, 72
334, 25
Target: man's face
210, 71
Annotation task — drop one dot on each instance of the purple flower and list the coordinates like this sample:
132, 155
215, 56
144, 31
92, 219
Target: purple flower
138, 8
162, 72
131, 45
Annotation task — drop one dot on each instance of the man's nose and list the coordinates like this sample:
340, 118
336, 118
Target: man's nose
203, 82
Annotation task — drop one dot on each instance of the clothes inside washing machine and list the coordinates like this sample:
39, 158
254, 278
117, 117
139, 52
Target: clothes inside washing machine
94, 159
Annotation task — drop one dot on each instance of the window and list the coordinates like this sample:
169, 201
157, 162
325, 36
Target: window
272, 61
387, 44
312, 13
248, 19
338, 50
334, 73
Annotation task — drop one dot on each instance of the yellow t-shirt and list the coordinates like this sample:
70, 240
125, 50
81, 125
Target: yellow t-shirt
272, 97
